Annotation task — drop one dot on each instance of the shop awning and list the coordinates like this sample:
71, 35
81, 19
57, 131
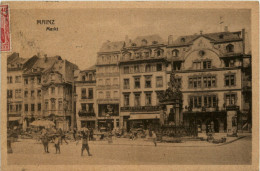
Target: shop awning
14, 118
144, 116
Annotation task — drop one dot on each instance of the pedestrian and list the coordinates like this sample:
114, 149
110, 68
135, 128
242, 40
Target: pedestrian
74, 133
154, 138
85, 145
57, 144
62, 136
45, 142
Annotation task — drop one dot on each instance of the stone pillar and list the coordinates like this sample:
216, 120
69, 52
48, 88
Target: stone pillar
231, 122
115, 123
177, 116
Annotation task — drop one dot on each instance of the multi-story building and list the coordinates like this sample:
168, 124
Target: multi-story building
86, 106
143, 67
48, 91
107, 88
210, 69
15, 88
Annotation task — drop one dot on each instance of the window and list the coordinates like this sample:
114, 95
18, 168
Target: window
146, 54
136, 69
18, 93
229, 63
10, 80
148, 82
26, 107
210, 101
230, 48
138, 55
52, 90
137, 100
176, 66
126, 84
60, 105
26, 81
39, 106
25, 94
100, 95
32, 80
17, 79
46, 105
209, 81
100, 82
83, 93
108, 82
39, 93
83, 106
159, 67
32, 107
90, 93
159, 81
148, 99
230, 80
32, 93
178, 82
126, 100
90, 77
39, 80
148, 68
206, 64
90, 107
115, 94
195, 82
115, 81
126, 70
195, 101
53, 105
108, 94
83, 78
158, 53
175, 53
230, 99
197, 65
137, 82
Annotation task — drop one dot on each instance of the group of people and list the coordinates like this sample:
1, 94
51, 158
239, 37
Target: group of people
60, 136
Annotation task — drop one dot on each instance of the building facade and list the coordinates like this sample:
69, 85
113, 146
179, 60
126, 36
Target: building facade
107, 89
86, 104
143, 67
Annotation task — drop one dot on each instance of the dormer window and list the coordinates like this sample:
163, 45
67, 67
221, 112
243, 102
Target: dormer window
175, 53
221, 36
182, 39
155, 42
83, 78
230, 48
144, 42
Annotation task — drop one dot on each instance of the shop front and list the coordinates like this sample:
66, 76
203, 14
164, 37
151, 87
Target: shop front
145, 121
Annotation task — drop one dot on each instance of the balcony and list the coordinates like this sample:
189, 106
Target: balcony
86, 98
140, 108
84, 113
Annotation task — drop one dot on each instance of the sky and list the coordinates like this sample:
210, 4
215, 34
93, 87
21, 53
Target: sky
82, 31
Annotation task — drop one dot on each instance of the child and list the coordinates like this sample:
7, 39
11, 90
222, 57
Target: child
57, 144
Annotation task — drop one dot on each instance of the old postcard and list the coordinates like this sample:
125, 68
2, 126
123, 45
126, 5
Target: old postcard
129, 85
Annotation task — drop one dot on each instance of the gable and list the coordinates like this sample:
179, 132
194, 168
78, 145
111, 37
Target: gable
202, 43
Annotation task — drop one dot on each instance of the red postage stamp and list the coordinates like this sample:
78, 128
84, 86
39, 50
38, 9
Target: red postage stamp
5, 29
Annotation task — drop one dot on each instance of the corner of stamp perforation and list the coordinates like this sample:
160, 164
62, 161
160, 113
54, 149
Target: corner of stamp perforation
5, 29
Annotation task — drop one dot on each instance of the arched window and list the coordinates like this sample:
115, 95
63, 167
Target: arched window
175, 53
182, 39
230, 48
148, 68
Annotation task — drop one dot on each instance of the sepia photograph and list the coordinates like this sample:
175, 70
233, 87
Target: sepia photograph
129, 84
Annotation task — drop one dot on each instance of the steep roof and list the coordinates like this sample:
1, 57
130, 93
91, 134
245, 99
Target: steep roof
214, 37
91, 68
111, 46
151, 39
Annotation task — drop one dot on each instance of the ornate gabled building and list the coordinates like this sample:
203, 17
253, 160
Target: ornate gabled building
143, 67
86, 104
210, 69
107, 87
15, 88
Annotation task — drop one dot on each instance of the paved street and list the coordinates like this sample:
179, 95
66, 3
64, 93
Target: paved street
28, 152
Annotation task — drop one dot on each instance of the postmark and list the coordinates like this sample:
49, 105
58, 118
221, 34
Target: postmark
5, 29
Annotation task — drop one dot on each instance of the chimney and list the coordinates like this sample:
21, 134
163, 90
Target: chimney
226, 29
45, 58
170, 39
243, 37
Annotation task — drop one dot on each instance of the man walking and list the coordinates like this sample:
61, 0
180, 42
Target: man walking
45, 142
85, 137
154, 138
57, 144
62, 136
